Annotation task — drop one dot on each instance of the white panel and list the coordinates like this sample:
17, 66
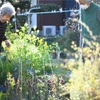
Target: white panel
33, 2
49, 30
62, 30
34, 20
24, 0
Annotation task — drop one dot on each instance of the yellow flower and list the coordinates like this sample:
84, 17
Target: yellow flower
62, 65
65, 50
53, 51
34, 28
73, 42
25, 24
56, 43
17, 30
72, 46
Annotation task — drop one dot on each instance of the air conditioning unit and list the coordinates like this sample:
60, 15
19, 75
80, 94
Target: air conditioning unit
49, 30
62, 30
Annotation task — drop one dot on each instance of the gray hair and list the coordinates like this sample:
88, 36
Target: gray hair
89, 0
7, 8
85, 0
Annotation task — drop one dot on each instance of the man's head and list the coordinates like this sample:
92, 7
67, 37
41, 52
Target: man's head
6, 12
84, 1
84, 4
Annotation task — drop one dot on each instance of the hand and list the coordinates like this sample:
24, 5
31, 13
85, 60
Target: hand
8, 43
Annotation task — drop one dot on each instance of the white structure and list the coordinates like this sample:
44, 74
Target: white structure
33, 2
33, 17
62, 30
49, 30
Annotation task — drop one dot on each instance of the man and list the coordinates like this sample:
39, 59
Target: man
6, 12
90, 19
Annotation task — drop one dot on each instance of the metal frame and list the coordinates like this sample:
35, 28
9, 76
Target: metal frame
29, 13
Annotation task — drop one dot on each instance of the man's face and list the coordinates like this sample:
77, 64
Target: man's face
5, 18
83, 4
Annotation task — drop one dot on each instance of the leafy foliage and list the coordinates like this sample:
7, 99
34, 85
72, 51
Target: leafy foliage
27, 50
71, 34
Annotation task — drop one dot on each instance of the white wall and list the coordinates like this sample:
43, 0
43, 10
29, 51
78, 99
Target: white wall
34, 20
33, 2
34, 16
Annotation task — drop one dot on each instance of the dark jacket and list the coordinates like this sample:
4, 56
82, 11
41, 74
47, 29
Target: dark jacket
2, 32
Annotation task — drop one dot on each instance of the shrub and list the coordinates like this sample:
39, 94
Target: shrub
84, 83
66, 40
71, 34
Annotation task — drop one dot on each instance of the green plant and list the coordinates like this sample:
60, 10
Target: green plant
66, 40
38, 76
5, 67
